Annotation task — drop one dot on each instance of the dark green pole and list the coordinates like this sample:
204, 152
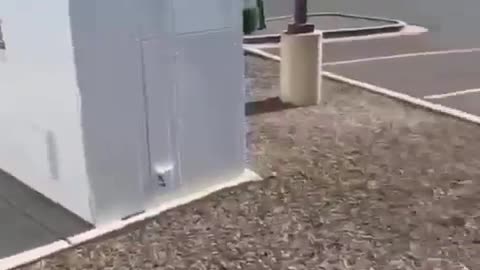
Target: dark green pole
261, 15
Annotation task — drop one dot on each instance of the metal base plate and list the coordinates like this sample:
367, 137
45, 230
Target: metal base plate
300, 28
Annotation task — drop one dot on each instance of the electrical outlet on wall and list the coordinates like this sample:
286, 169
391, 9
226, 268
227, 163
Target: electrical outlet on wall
164, 175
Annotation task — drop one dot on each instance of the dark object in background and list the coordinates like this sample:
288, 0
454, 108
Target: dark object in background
2, 42
253, 16
261, 15
250, 20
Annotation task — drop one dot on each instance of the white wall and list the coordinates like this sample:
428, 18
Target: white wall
40, 134
95, 94
109, 72
160, 64
210, 100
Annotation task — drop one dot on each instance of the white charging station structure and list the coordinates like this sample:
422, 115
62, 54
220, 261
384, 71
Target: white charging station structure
110, 107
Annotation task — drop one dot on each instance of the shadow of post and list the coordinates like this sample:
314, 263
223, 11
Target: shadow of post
269, 105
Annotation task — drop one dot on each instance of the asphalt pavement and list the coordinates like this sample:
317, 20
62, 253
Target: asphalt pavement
30, 220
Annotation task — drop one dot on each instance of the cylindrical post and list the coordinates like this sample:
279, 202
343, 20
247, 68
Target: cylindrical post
301, 64
300, 14
301, 69
300, 18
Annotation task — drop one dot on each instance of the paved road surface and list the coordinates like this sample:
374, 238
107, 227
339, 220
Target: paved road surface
357, 49
452, 23
418, 75
468, 103
421, 76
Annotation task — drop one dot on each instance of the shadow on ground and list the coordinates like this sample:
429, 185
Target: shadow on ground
268, 105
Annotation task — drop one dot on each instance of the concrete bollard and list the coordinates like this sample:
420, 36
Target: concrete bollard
301, 68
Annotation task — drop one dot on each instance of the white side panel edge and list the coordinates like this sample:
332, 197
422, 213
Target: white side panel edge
41, 142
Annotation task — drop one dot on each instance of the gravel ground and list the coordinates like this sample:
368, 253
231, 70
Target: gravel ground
361, 182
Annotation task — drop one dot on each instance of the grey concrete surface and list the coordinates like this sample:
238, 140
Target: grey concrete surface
417, 76
29, 220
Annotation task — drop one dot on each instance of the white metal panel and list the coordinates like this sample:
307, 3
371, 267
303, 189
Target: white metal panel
153, 18
158, 69
205, 15
109, 71
210, 106
147, 97
24, 145
39, 96
155, 22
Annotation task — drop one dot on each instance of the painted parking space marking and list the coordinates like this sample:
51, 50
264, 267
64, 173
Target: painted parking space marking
407, 98
396, 56
453, 94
